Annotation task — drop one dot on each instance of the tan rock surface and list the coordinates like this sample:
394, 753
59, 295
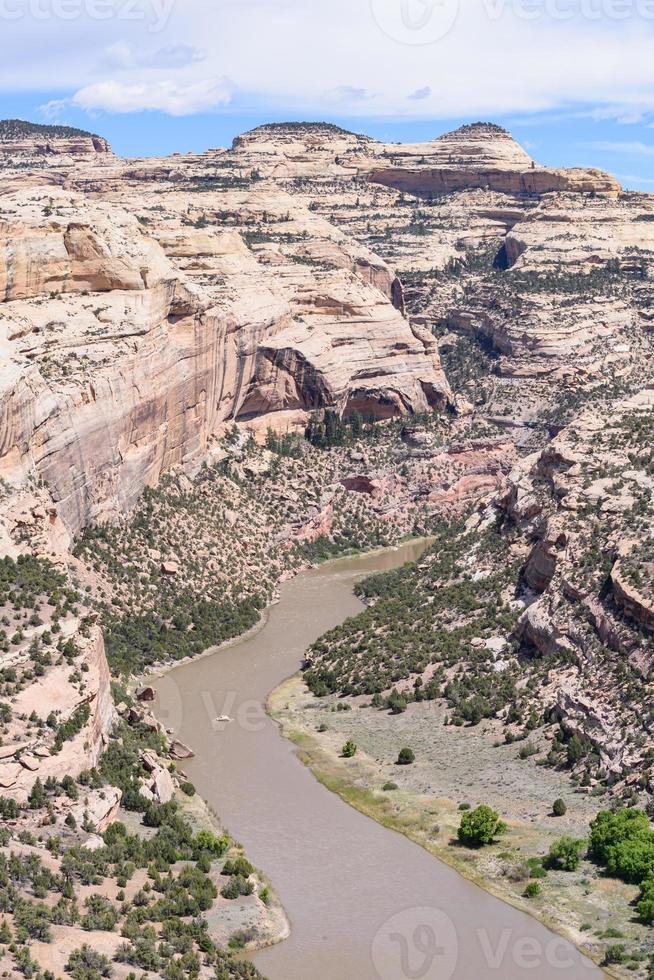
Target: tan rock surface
101, 394
147, 305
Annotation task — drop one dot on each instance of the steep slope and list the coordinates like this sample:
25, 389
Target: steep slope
121, 362
481, 156
160, 319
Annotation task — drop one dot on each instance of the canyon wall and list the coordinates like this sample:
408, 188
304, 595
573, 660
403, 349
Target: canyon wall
126, 353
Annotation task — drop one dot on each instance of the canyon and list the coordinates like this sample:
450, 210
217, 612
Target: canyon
171, 327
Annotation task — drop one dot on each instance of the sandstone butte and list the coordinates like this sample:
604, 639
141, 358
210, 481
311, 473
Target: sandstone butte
148, 305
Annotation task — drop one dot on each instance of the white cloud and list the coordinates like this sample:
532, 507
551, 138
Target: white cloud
347, 94
623, 115
420, 94
633, 180
629, 147
302, 56
123, 55
166, 96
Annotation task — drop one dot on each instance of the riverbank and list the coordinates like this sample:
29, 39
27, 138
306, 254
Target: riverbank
290, 826
248, 923
264, 924
163, 669
462, 769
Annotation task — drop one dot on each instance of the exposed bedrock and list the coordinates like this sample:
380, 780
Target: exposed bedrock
124, 354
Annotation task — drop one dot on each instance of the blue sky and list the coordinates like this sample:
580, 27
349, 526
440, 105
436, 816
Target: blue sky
572, 79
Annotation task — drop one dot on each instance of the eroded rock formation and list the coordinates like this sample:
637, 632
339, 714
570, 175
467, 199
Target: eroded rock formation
147, 306
125, 352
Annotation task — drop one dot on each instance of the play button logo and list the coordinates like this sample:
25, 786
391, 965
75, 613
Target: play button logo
417, 944
416, 22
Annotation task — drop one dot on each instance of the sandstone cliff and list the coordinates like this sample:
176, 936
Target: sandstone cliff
125, 352
585, 502
147, 306
21, 140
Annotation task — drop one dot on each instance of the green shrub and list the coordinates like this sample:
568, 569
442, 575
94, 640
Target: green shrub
532, 890
406, 757
239, 866
632, 860
645, 904
349, 749
536, 868
37, 797
100, 914
32, 921
480, 827
87, 964
559, 809
236, 887
623, 842
397, 703
9, 809
207, 841
565, 854
615, 955
609, 829
203, 863
527, 750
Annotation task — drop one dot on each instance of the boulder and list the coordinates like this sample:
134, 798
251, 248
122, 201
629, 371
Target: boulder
9, 774
149, 761
178, 750
29, 762
163, 786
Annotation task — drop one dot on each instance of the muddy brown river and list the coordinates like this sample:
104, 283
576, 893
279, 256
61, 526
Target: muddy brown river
364, 903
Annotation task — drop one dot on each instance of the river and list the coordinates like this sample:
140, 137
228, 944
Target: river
364, 903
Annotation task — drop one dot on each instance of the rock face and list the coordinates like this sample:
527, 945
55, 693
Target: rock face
481, 156
22, 140
586, 500
628, 597
568, 232
99, 397
100, 808
250, 290
575, 292
148, 344
27, 755
296, 150
149, 306
390, 369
